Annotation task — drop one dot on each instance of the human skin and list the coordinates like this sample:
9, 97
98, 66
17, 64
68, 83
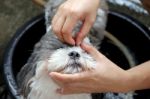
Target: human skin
106, 77
69, 13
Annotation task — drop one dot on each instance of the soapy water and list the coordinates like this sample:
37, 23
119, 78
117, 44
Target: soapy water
134, 5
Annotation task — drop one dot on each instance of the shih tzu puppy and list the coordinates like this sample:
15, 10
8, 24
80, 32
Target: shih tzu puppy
51, 55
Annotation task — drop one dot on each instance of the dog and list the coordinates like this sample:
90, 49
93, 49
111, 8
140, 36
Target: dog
52, 55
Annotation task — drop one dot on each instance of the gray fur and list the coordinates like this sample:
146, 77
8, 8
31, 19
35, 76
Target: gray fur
49, 43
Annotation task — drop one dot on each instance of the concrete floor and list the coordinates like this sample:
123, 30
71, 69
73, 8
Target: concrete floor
12, 16
14, 13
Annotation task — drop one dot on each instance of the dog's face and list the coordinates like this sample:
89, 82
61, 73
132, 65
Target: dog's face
70, 60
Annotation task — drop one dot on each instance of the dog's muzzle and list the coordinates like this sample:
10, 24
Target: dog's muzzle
74, 55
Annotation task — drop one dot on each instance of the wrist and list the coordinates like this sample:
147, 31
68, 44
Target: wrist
139, 77
131, 81
127, 81
124, 82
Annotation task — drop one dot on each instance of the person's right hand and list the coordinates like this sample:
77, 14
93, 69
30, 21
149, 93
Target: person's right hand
69, 13
105, 77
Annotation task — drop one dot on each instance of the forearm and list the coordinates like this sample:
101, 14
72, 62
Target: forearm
139, 77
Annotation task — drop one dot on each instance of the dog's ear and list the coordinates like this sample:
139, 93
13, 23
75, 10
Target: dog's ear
28, 73
97, 32
98, 29
24, 79
50, 9
48, 14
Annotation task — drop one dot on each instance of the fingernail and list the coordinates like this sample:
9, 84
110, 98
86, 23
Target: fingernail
52, 74
72, 42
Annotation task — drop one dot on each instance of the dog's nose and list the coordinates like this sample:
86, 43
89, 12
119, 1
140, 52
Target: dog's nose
74, 55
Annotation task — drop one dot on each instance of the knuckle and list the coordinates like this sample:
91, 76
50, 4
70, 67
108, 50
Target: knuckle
65, 31
75, 13
61, 7
70, 11
56, 31
81, 36
90, 48
91, 21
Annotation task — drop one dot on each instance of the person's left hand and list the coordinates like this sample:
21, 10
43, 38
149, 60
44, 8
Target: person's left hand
106, 77
69, 14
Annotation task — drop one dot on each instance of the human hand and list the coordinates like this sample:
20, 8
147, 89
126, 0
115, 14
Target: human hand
67, 16
106, 77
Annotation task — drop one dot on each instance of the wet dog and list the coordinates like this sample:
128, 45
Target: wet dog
50, 55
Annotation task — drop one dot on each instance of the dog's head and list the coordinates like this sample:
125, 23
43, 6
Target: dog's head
70, 60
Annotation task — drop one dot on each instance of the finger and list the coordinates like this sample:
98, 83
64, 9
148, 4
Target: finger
92, 51
69, 78
70, 23
84, 31
58, 27
55, 21
56, 17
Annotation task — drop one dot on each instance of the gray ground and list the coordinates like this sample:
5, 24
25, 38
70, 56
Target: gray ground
14, 13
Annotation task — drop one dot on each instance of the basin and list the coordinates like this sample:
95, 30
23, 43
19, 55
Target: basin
127, 43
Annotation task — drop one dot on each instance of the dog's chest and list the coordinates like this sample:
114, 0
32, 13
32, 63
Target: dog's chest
43, 87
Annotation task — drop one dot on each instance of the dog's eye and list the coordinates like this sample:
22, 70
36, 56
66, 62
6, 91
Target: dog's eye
61, 47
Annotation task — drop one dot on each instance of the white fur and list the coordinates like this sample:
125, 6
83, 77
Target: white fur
43, 86
48, 57
59, 59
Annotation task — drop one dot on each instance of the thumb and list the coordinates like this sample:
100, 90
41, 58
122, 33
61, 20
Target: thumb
84, 31
92, 51
67, 78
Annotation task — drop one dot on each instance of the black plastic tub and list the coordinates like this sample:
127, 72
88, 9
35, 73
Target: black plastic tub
127, 44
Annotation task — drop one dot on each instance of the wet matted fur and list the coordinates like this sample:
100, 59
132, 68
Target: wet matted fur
50, 54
